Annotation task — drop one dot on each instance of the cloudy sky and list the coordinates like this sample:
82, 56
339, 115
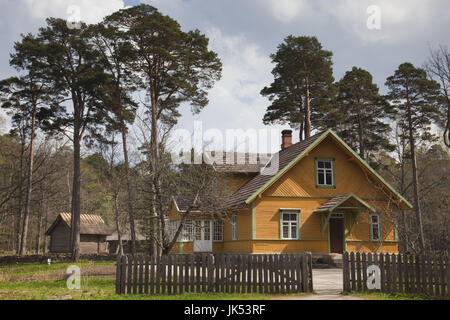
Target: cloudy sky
246, 32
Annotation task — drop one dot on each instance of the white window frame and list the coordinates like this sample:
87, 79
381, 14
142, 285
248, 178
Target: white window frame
233, 223
188, 231
217, 230
377, 225
324, 171
289, 224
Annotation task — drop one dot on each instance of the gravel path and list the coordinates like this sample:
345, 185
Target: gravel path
327, 285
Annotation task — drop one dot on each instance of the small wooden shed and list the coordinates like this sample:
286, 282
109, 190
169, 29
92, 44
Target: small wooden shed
93, 233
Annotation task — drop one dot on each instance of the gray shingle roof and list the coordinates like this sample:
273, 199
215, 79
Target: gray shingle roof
240, 162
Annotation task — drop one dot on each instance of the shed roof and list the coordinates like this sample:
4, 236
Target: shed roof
89, 224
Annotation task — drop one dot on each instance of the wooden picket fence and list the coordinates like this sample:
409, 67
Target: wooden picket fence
225, 273
399, 273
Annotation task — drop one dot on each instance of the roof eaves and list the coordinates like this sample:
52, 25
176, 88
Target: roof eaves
175, 203
351, 195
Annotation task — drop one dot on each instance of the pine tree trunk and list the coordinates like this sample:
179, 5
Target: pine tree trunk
129, 191
23, 242
39, 226
155, 156
19, 209
308, 111
116, 212
45, 228
362, 150
302, 123
38, 231
402, 212
417, 208
76, 192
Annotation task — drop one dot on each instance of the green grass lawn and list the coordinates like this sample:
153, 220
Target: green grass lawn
24, 270
394, 296
92, 287
101, 289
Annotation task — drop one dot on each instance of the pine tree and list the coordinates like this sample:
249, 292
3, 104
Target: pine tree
117, 58
30, 101
73, 70
176, 67
360, 114
303, 84
414, 97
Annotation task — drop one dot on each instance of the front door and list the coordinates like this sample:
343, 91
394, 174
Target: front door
203, 239
336, 235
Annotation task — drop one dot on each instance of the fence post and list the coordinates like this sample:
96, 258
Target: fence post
447, 266
364, 271
146, 280
304, 273
388, 272
211, 273
345, 272
394, 272
310, 272
352, 271
118, 273
358, 272
129, 271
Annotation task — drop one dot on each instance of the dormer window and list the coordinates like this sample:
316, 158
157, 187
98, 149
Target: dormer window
325, 175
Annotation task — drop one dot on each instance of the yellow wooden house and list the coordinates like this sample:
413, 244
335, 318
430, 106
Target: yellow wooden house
314, 196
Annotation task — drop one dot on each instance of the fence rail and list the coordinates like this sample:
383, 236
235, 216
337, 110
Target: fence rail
398, 273
225, 273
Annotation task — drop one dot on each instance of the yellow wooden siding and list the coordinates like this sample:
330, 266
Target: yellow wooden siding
289, 246
370, 246
350, 177
244, 226
297, 190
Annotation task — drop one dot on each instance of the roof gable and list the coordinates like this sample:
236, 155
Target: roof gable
290, 157
89, 224
336, 202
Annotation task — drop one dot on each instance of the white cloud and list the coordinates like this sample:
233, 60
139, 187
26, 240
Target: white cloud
90, 11
401, 20
244, 64
286, 10
235, 101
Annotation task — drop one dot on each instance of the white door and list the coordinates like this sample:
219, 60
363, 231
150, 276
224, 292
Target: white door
203, 236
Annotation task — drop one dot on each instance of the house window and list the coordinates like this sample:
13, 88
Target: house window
375, 230
325, 173
289, 225
218, 231
188, 231
234, 227
198, 230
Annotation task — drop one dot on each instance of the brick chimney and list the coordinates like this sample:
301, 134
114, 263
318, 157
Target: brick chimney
286, 139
